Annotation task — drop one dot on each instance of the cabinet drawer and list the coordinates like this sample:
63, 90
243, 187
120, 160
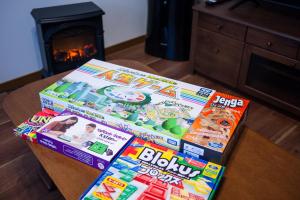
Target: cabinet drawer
217, 56
231, 29
272, 42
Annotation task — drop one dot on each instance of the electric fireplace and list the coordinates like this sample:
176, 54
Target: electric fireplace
69, 36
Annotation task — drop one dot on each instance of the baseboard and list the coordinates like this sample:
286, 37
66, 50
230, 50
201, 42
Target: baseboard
19, 82
23, 80
124, 45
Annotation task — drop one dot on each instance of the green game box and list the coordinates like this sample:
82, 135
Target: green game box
152, 107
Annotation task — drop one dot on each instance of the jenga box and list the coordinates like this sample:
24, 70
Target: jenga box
147, 171
153, 107
83, 139
216, 129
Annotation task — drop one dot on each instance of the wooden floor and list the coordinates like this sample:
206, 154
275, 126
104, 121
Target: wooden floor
18, 166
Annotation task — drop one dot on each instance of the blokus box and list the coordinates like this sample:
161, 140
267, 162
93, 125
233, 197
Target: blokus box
216, 129
147, 171
154, 108
27, 129
83, 139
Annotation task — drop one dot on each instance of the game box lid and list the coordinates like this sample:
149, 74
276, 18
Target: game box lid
216, 123
147, 171
153, 107
83, 139
27, 129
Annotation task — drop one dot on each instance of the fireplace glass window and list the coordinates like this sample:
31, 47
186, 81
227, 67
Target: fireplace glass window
69, 36
275, 79
74, 45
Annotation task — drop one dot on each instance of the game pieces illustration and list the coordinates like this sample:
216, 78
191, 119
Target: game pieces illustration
146, 171
154, 108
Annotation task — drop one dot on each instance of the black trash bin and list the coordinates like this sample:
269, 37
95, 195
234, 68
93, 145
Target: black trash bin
169, 29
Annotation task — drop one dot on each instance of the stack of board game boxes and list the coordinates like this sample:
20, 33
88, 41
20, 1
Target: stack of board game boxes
104, 106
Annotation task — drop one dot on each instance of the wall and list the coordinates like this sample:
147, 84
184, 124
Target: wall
19, 50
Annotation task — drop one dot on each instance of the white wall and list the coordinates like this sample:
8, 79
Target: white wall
19, 50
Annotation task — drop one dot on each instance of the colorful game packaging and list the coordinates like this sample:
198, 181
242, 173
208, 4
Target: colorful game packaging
153, 107
27, 129
147, 171
83, 139
216, 129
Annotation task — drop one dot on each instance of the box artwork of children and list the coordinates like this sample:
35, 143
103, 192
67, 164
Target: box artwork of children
83, 139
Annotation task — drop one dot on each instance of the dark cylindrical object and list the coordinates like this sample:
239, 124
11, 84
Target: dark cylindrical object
169, 29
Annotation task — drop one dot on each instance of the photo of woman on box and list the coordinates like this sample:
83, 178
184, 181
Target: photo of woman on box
60, 127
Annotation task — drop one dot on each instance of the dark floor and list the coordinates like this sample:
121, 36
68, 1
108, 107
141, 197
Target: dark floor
18, 166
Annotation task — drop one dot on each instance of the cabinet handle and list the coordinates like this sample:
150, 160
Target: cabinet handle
219, 27
269, 44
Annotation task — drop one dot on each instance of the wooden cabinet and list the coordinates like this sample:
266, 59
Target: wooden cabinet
216, 56
250, 48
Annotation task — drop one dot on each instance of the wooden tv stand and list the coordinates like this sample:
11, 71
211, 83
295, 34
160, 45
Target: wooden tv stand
224, 41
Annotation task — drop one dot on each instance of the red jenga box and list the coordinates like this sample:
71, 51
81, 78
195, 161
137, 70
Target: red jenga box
216, 129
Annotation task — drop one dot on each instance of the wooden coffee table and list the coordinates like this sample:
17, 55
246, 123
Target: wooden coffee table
257, 168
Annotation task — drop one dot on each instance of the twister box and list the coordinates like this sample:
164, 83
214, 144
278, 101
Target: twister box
154, 108
216, 129
27, 130
147, 171
83, 139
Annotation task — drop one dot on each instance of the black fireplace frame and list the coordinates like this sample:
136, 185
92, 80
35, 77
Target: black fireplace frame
54, 19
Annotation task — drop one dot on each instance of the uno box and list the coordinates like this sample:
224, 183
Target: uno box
83, 139
147, 171
153, 107
27, 129
217, 128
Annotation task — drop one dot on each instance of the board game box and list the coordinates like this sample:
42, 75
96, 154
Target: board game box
83, 139
147, 171
27, 129
153, 107
216, 129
